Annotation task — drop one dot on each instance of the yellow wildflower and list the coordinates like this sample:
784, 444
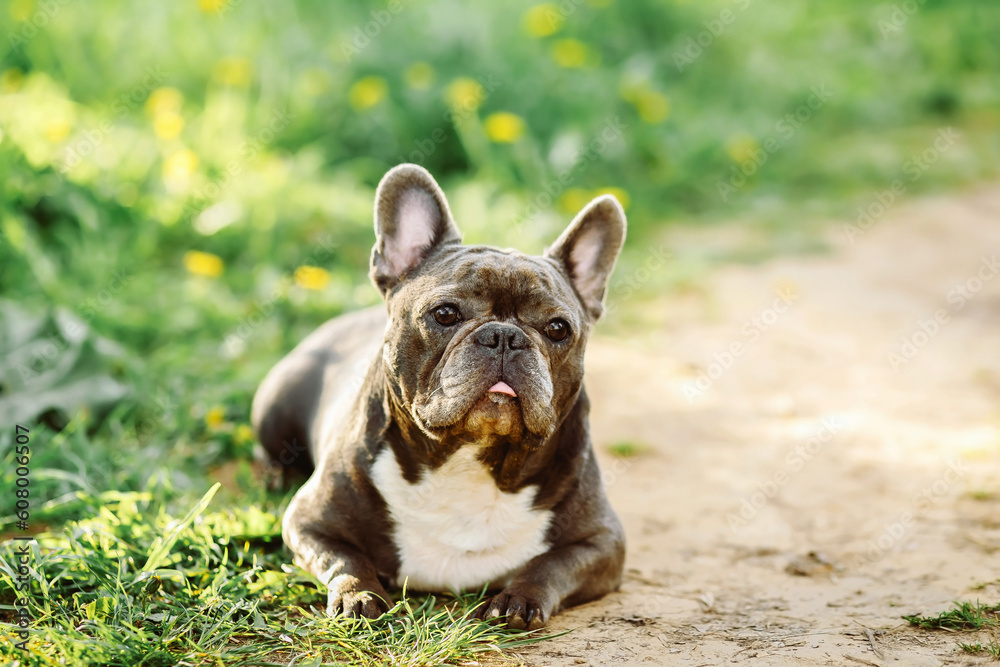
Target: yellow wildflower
168, 125
465, 93
570, 53
212, 6
57, 129
164, 100
21, 10
10, 80
419, 76
232, 71
620, 194
543, 20
504, 127
367, 92
203, 264
311, 277
653, 107
572, 200
215, 417
243, 434
180, 165
741, 147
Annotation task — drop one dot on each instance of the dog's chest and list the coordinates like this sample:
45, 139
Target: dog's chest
454, 529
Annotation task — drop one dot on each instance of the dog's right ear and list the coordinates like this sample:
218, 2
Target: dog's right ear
412, 219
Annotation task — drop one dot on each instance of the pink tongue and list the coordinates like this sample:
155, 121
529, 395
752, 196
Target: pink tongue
503, 388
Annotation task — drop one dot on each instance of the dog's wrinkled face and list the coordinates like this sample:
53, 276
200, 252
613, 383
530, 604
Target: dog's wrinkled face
484, 342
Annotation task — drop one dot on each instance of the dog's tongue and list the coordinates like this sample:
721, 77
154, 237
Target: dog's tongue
503, 388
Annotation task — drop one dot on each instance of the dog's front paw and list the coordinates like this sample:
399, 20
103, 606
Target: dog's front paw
521, 608
349, 596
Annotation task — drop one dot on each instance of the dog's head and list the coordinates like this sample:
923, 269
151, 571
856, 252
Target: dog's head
481, 342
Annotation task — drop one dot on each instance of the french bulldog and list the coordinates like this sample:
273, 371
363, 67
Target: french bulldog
446, 435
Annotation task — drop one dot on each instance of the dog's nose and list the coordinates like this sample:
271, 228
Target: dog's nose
497, 336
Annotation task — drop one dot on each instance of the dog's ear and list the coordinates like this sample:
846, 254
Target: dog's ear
412, 219
588, 249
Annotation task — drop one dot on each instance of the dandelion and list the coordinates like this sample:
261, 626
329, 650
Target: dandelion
464, 93
21, 10
163, 101
618, 193
203, 264
215, 417
504, 127
10, 80
572, 200
311, 277
653, 107
57, 129
233, 71
180, 165
243, 434
168, 125
543, 20
419, 76
367, 92
212, 6
741, 147
570, 53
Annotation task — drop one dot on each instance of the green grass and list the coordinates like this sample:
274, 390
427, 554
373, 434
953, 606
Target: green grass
136, 586
241, 131
990, 648
965, 616
627, 448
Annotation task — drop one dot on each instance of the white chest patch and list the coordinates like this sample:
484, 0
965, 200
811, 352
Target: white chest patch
454, 529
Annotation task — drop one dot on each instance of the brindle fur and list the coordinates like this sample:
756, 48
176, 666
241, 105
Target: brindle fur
421, 397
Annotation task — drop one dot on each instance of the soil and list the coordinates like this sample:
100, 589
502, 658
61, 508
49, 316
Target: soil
813, 451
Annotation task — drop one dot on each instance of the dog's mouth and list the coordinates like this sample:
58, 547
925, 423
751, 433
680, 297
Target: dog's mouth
498, 412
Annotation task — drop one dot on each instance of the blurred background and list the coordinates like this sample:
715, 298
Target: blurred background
186, 188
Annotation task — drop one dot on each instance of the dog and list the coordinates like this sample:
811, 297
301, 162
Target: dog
446, 435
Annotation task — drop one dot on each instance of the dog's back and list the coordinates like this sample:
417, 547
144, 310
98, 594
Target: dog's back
326, 369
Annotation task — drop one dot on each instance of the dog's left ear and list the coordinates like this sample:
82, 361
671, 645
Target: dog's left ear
588, 249
412, 219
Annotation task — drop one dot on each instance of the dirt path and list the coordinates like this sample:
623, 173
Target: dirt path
813, 439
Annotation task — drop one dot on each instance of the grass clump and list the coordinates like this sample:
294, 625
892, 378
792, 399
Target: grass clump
990, 648
965, 616
125, 589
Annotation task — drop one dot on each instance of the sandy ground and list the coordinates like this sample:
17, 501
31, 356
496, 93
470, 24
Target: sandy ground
812, 438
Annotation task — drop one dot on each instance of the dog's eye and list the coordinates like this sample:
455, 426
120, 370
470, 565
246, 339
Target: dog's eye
557, 329
447, 315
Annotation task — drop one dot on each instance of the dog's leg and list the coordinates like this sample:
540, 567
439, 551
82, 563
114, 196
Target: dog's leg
563, 576
350, 577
